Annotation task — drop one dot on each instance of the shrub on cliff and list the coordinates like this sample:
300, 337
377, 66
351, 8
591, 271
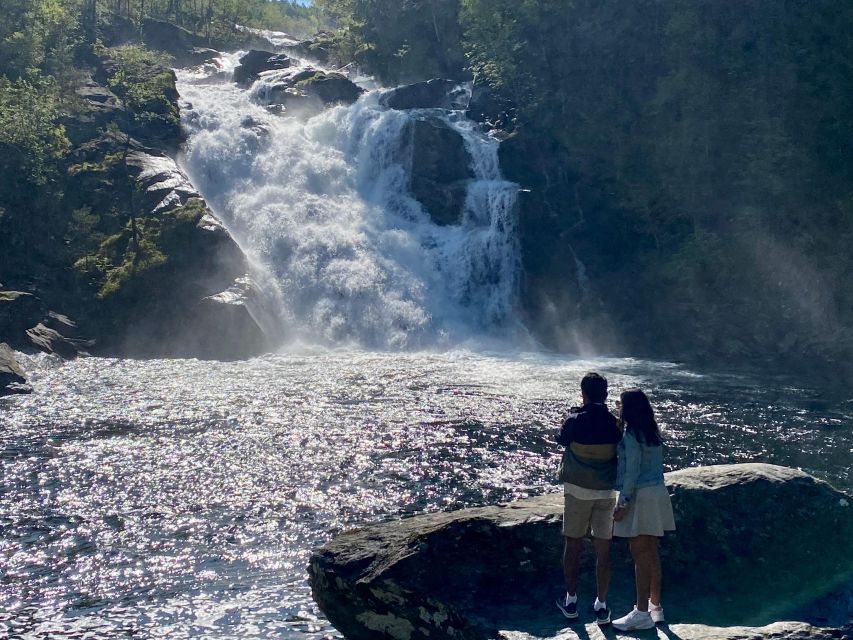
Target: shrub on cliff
31, 138
146, 83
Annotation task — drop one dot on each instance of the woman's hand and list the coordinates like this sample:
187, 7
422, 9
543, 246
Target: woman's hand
618, 514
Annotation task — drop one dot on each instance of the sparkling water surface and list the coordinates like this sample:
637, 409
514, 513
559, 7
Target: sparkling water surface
181, 499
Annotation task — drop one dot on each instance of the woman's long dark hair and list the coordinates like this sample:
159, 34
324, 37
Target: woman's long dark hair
638, 417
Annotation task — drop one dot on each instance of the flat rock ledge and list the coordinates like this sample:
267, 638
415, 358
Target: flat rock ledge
756, 544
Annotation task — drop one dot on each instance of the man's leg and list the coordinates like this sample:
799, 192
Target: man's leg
576, 519
571, 563
601, 523
603, 567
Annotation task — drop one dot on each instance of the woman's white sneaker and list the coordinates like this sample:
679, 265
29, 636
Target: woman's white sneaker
634, 621
656, 611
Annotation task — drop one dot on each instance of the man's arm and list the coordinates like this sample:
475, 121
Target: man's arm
566, 435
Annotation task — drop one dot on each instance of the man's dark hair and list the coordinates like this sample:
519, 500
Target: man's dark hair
594, 387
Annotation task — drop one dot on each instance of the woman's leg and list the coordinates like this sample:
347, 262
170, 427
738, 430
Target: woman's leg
644, 552
654, 586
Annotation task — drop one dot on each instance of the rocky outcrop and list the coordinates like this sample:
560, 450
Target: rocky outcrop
154, 118
309, 90
432, 94
165, 309
27, 325
13, 380
441, 169
255, 62
755, 543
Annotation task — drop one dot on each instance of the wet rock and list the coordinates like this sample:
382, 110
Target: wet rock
163, 185
332, 88
233, 319
52, 341
432, 94
470, 574
441, 169
256, 62
13, 380
311, 90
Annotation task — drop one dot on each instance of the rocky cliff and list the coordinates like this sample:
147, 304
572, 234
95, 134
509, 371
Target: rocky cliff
755, 544
129, 260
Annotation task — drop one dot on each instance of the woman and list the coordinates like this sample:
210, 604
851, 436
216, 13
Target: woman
643, 509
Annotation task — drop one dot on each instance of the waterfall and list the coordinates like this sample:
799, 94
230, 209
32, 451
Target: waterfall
322, 205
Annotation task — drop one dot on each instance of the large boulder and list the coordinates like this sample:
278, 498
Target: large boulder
255, 62
441, 169
755, 543
332, 88
310, 90
13, 380
431, 94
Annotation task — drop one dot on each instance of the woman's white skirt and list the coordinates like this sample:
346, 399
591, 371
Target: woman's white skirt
648, 514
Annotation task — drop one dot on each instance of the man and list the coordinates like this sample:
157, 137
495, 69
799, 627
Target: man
588, 472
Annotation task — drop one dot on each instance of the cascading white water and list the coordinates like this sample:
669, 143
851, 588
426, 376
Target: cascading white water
322, 206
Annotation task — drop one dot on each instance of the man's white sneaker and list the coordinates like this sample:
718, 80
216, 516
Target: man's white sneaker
656, 611
634, 621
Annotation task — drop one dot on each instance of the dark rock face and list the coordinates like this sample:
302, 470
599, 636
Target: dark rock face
473, 573
13, 380
432, 94
555, 213
441, 169
167, 311
487, 107
256, 62
18, 312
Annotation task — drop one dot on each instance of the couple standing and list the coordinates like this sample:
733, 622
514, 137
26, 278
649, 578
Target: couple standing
612, 474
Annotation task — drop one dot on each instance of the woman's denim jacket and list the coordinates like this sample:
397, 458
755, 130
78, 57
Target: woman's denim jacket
638, 465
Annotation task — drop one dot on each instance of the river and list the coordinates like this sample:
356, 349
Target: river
181, 499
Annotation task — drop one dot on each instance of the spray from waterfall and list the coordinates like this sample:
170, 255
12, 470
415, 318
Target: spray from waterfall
323, 206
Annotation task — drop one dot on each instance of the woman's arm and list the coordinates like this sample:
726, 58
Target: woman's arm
632, 454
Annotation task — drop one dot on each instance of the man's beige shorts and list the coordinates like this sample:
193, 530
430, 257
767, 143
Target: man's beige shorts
588, 516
